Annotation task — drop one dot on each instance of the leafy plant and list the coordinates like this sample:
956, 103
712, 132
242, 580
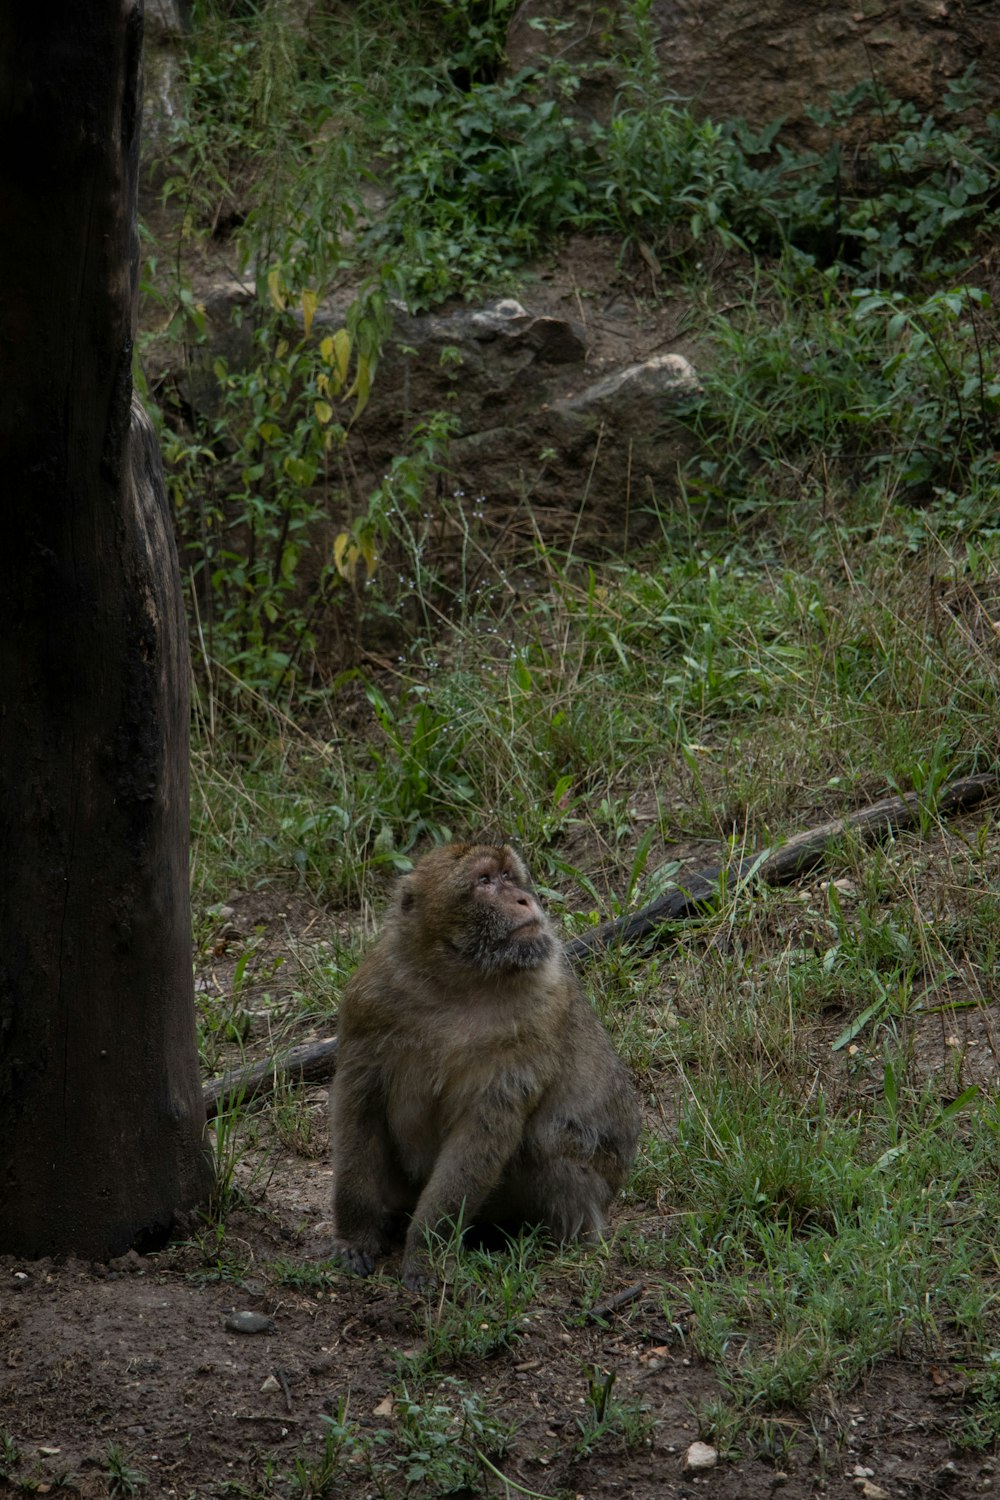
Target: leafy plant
123, 1477
441, 1446
436, 1445
10, 1455
944, 400
245, 547
606, 1416
482, 177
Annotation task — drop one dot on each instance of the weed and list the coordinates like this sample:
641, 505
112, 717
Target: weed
226, 1148
438, 1445
295, 1123
343, 1444
10, 1455
979, 1427
484, 1307
222, 1258
123, 1478
303, 1277
625, 1422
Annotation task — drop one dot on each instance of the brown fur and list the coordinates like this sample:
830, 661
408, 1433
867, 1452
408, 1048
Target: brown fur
474, 1081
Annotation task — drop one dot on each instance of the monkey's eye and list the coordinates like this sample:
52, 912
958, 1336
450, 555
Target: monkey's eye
484, 879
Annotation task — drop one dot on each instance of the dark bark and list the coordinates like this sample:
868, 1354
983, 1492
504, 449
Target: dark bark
101, 1118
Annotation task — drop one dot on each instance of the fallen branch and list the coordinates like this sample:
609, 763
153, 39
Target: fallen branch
314, 1061
802, 853
603, 1310
311, 1063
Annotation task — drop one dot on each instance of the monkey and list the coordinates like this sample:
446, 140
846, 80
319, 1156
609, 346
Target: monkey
474, 1083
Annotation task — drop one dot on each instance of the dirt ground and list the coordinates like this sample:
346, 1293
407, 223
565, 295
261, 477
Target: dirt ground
125, 1379
137, 1355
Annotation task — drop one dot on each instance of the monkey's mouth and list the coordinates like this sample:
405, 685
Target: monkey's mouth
527, 927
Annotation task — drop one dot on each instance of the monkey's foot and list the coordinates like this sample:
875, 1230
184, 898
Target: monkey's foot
418, 1277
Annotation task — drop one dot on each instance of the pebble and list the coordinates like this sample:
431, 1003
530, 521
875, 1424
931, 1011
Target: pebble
248, 1322
699, 1457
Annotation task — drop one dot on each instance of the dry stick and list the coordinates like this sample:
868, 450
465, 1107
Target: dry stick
311, 1063
614, 1304
781, 866
314, 1061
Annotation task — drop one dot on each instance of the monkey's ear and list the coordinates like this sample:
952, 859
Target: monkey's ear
407, 894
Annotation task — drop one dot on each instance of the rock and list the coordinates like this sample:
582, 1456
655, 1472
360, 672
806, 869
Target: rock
699, 1457
248, 1322
499, 318
668, 376
555, 341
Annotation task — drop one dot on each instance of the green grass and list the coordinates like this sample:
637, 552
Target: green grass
825, 1208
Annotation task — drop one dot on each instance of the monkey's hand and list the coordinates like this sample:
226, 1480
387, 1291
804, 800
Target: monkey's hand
359, 1262
467, 1169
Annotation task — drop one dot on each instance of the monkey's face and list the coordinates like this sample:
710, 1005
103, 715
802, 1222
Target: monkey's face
506, 927
478, 901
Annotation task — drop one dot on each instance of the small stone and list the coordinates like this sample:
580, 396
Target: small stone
665, 377
699, 1457
506, 316
871, 1491
270, 1384
248, 1322
555, 341
130, 1261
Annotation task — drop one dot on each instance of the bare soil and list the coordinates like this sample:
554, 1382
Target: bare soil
137, 1354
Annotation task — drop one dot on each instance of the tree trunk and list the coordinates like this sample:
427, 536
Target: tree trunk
101, 1116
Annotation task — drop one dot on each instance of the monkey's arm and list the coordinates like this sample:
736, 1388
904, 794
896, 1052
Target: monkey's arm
364, 1173
468, 1167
